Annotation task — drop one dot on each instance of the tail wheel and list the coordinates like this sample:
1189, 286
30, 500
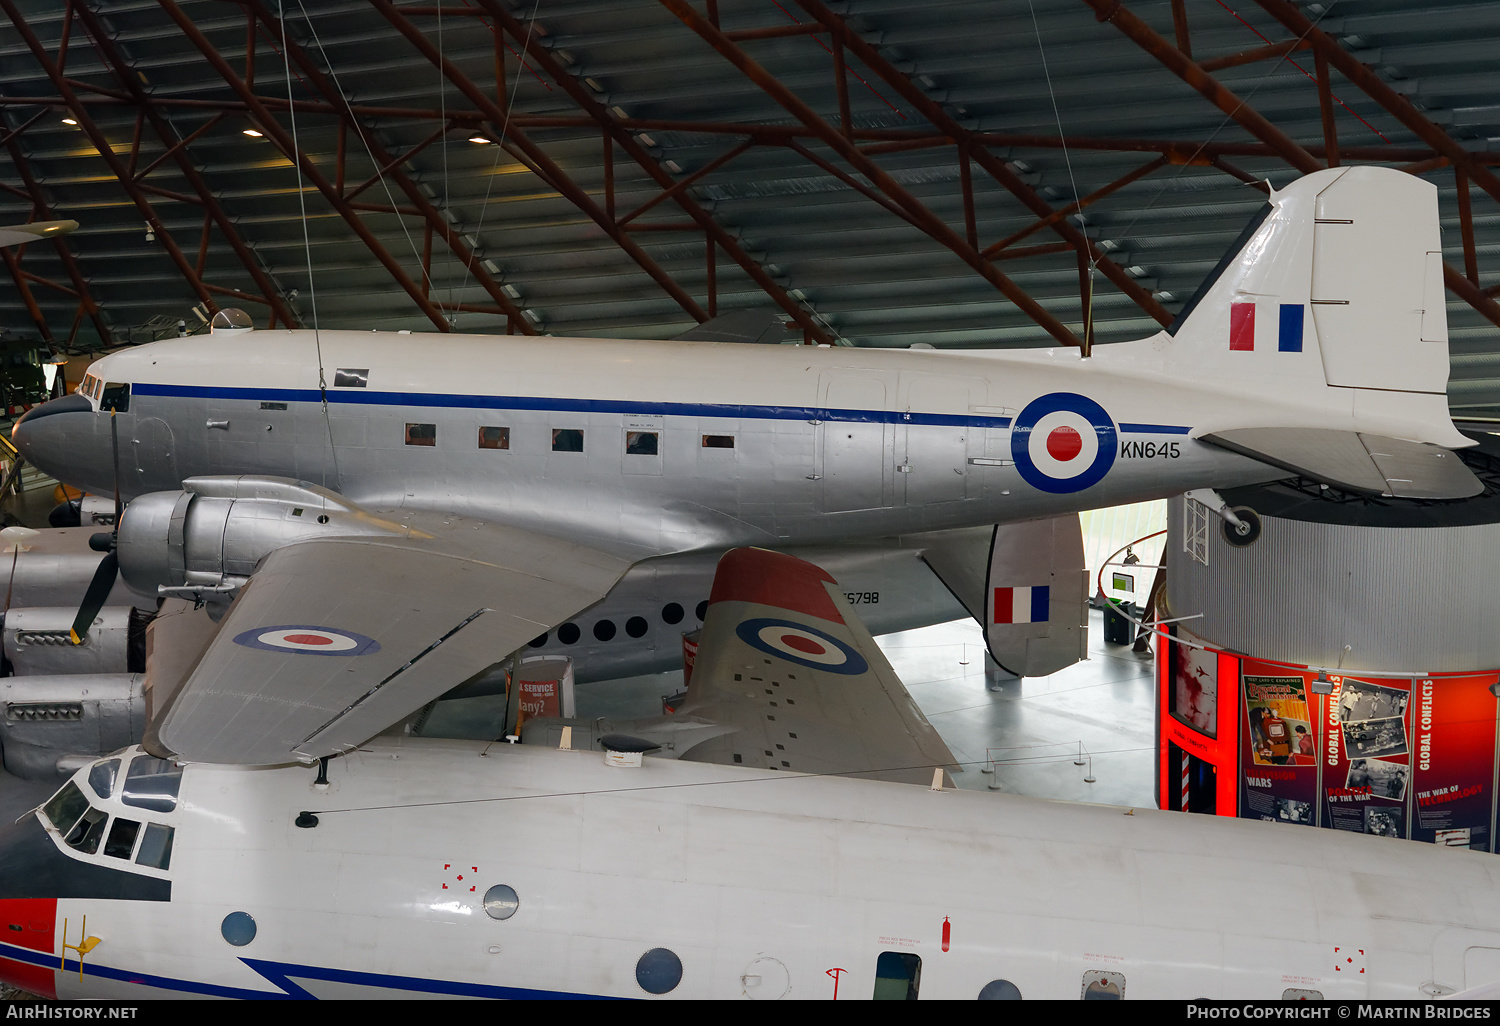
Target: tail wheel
1247, 531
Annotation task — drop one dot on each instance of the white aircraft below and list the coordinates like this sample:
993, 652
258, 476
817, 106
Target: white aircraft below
396, 513
759, 863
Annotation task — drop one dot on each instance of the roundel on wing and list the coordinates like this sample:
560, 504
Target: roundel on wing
1063, 442
307, 640
801, 644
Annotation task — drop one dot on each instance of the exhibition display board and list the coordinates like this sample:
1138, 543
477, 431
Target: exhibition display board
1400, 756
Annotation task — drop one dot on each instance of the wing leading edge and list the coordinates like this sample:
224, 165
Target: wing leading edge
786, 664
333, 640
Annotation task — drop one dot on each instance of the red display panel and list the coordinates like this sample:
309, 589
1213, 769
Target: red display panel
1196, 689
1453, 734
1278, 746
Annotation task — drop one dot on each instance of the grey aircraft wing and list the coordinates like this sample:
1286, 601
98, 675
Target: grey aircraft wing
796, 682
333, 640
1357, 461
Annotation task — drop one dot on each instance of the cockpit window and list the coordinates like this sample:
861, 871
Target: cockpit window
88, 831
152, 784
102, 777
115, 397
64, 808
156, 847
122, 838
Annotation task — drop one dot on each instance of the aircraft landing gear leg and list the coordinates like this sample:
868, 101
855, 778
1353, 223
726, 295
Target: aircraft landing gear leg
1241, 523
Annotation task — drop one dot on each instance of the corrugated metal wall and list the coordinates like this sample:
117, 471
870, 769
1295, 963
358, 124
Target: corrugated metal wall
1401, 599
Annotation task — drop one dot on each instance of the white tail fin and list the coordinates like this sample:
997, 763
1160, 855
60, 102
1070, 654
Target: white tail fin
1334, 296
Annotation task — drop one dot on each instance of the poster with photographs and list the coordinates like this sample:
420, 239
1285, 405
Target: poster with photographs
1367, 771
1452, 751
1278, 753
1195, 688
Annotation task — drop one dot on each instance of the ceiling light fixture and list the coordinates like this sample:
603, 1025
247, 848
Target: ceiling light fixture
252, 133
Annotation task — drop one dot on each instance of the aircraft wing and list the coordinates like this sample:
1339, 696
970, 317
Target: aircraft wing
332, 641
1357, 461
786, 664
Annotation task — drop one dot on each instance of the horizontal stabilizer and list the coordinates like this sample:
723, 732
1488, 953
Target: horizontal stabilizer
784, 662
766, 327
1356, 461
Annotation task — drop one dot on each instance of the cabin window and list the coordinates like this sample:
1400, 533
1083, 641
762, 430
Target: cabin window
151, 784
156, 847
637, 626
1102, 986
63, 809
351, 377
1000, 990
1299, 994
115, 397
718, 441
568, 634
642, 443
494, 438
672, 613
122, 834
604, 630
421, 434
898, 974
567, 440
102, 777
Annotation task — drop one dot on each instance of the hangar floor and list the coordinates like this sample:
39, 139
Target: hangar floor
1030, 731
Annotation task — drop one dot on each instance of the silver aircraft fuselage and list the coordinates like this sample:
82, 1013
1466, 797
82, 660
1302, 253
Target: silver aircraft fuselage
759, 445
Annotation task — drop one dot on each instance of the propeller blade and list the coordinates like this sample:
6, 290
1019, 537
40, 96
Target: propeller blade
93, 599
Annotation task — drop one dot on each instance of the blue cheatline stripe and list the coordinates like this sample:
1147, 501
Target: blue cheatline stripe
1154, 429
1289, 338
281, 975
361, 397
1039, 604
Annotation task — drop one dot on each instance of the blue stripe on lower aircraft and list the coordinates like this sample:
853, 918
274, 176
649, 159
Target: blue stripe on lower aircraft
283, 974
361, 397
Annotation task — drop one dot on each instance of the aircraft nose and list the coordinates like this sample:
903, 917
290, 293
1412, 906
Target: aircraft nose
58, 438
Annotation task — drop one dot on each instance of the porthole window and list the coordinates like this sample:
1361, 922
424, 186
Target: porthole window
671, 613
658, 971
494, 438
604, 630
641, 443
567, 440
702, 610
501, 901
238, 928
1000, 990
637, 626
421, 434
538, 641
569, 633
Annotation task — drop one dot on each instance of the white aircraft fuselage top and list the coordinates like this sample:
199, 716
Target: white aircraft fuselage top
759, 883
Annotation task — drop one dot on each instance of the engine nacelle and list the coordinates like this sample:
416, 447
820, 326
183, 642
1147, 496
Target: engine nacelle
217, 529
52, 725
36, 641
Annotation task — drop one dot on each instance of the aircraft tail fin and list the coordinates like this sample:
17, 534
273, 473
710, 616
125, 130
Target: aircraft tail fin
1333, 296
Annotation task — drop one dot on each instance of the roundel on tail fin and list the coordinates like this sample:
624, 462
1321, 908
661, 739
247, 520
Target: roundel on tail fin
1063, 442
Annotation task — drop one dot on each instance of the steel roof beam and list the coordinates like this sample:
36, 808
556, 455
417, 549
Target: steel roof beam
176, 149
390, 166
548, 169
43, 209
882, 181
279, 136
101, 145
996, 168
